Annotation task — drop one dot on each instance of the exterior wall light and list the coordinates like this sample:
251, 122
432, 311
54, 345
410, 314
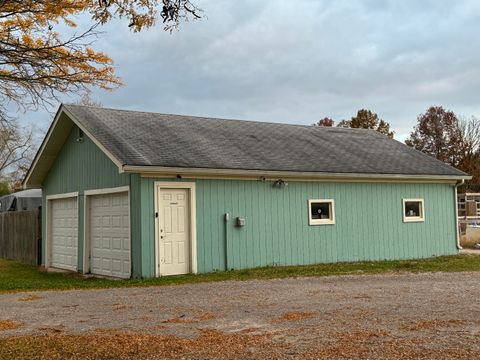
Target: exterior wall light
280, 183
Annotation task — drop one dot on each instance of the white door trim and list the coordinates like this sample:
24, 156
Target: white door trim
86, 221
190, 186
107, 190
48, 225
62, 196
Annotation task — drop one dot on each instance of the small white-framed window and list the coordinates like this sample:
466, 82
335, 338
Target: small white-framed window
321, 212
413, 210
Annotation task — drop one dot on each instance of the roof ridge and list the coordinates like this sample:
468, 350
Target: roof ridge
312, 126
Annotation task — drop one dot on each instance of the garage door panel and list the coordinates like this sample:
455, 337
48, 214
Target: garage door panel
117, 266
64, 233
117, 244
116, 221
110, 235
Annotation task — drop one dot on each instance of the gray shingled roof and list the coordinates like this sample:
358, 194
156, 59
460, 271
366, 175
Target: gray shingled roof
150, 139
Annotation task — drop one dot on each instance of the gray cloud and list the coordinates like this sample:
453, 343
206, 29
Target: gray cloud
298, 61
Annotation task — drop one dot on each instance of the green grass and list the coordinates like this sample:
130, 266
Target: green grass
19, 277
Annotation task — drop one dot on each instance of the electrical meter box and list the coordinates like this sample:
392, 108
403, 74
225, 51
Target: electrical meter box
240, 221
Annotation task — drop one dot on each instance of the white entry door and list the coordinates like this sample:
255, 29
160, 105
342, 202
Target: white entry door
110, 235
174, 231
64, 233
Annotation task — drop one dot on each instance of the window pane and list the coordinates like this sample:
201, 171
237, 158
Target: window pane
413, 209
320, 211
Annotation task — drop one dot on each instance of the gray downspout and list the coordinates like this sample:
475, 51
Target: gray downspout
459, 247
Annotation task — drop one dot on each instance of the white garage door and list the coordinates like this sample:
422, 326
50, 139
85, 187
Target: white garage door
64, 233
110, 235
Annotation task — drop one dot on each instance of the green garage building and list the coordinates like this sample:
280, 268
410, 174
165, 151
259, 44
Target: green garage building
136, 194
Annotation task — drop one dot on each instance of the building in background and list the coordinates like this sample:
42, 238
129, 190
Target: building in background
22, 200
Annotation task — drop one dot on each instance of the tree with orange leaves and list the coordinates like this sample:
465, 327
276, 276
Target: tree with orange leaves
37, 62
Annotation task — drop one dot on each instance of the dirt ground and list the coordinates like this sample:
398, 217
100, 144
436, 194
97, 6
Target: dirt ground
435, 315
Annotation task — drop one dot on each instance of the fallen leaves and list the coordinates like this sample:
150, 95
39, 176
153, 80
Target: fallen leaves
179, 320
52, 329
294, 316
361, 335
32, 297
368, 344
214, 344
9, 325
211, 344
206, 317
183, 319
433, 324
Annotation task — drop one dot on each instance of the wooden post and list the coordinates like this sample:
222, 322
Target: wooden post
471, 208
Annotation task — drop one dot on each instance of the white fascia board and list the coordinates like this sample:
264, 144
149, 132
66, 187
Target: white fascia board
107, 190
40, 151
185, 172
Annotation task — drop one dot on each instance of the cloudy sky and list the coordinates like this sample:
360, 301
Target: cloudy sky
299, 61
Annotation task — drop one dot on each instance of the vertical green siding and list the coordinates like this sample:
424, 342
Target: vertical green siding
369, 223
83, 166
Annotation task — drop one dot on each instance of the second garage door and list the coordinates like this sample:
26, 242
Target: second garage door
110, 235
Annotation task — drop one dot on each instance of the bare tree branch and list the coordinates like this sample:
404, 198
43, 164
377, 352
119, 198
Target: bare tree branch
16, 152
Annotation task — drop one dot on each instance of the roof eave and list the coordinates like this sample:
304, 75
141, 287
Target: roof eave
260, 174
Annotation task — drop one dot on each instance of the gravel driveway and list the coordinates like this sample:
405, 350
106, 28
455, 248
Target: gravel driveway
432, 315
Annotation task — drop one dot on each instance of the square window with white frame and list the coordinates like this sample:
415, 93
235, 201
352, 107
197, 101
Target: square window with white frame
413, 210
321, 212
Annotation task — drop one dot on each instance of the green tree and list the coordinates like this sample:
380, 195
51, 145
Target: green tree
15, 152
367, 119
5, 188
